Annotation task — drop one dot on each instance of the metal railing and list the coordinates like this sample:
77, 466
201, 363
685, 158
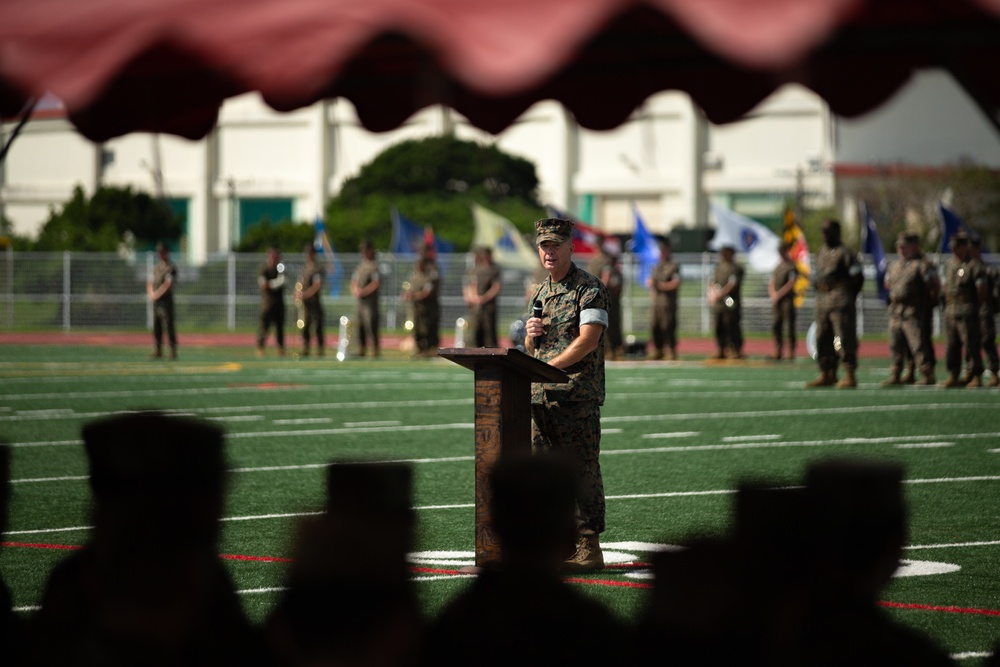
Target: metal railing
73, 291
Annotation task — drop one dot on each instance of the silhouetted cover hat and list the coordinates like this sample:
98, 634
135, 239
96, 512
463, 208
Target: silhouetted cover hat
153, 454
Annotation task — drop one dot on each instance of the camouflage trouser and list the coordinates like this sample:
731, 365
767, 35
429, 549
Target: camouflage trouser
832, 323
782, 320
574, 430
906, 338
426, 324
988, 331
163, 321
962, 333
368, 324
483, 325
728, 330
313, 321
664, 326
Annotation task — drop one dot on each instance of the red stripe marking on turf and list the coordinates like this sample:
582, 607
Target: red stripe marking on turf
608, 582
255, 559
947, 609
264, 385
35, 545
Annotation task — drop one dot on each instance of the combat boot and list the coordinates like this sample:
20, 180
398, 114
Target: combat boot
891, 381
928, 379
825, 379
952, 382
909, 377
994, 380
975, 382
588, 556
848, 381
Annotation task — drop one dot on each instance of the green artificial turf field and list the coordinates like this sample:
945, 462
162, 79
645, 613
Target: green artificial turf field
677, 438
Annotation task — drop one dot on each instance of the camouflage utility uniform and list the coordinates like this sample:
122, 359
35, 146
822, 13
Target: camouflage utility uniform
963, 280
272, 305
664, 308
910, 284
312, 306
367, 308
426, 311
728, 325
838, 279
603, 266
987, 317
483, 317
783, 310
566, 417
163, 308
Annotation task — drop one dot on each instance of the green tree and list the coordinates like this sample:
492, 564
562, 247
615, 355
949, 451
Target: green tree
287, 236
433, 182
100, 223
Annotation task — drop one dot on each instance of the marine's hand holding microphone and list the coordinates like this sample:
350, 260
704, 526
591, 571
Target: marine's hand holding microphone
536, 312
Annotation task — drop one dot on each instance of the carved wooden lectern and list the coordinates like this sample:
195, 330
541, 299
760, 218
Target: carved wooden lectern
503, 380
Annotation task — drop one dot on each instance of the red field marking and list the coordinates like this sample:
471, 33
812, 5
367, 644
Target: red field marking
264, 385
36, 545
945, 609
255, 559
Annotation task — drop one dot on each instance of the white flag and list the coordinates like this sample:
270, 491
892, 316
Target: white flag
500, 235
753, 239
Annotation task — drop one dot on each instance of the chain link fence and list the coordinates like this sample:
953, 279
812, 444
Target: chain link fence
72, 291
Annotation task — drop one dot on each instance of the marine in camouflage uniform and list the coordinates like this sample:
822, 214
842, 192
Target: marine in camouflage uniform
910, 285
271, 281
160, 289
566, 417
664, 287
365, 284
425, 284
964, 288
724, 297
311, 281
781, 290
481, 292
604, 265
838, 279
987, 312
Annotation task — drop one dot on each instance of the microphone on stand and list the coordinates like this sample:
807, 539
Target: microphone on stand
537, 312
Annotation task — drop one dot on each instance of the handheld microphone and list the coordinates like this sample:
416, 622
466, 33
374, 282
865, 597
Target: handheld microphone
537, 312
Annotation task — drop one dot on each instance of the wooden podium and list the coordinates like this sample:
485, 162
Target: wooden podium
503, 380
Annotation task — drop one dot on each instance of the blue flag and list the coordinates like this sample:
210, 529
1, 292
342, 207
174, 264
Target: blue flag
873, 248
408, 237
323, 245
643, 246
951, 224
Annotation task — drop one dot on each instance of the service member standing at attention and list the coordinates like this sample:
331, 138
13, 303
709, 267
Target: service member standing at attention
481, 291
565, 418
988, 307
838, 279
160, 290
964, 289
724, 297
604, 266
424, 294
271, 281
910, 288
365, 285
781, 290
664, 286
310, 292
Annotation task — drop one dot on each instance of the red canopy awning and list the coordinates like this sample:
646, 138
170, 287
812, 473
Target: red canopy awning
167, 65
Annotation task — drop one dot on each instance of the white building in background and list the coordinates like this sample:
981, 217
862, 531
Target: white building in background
666, 159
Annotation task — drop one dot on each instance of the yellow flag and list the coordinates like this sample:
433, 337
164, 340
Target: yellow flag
496, 232
799, 253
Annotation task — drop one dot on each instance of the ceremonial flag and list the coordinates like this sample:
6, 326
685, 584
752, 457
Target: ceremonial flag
586, 238
748, 236
872, 246
496, 232
644, 247
799, 254
950, 225
409, 238
324, 249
